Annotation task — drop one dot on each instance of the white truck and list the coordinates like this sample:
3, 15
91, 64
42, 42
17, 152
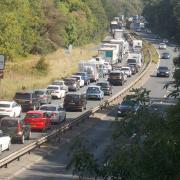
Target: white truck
91, 68
135, 59
137, 45
110, 54
118, 33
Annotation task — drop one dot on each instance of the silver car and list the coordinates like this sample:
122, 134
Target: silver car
44, 96
57, 112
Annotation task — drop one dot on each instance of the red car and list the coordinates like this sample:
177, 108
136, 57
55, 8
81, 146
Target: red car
38, 120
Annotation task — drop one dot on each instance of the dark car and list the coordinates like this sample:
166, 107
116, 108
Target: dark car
75, 101
133, 69
166, 55
27, 100
72, 83
44, 96
163, 71
116, 77
84, 76
128, 106
106, 87
16, 128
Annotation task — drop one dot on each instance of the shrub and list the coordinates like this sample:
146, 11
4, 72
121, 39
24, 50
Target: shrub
42, 66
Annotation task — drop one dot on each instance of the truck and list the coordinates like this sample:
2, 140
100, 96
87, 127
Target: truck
118, 33
113, 25
110, 54
135, 59
91, 68
137, 45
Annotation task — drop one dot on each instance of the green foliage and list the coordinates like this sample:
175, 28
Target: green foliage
42, 66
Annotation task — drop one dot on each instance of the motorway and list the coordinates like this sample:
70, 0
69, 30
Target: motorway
50, 168
70, 115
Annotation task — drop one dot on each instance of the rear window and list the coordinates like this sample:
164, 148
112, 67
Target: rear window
163, 68
93, 90
4, 105
33, 115
48, 108
103, 84
131, 61
52, 87
115, 74
23, 96
39, 92
8, 123
72, 96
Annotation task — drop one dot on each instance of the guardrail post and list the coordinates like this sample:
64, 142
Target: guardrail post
5, 166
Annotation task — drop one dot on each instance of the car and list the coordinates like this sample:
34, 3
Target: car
116, 77
5, 142
10, 108
148, 31
128, 106
56, 91
94, 92
163, 71
75, 101
126, 70
38, 120
162, 46
56, 112
44, 96
133, 69
27, 99
16, 128
72, 83
165, 41
80, 79
165, 55
105, 87
61, 84
85, 77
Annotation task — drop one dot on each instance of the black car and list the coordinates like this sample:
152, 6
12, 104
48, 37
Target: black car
133, 69
116, 77
75, 101
105, 87
166, 55
16, 128
163, 71
128, 106
28, 100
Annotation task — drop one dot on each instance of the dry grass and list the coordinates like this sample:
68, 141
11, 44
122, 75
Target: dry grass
21, 73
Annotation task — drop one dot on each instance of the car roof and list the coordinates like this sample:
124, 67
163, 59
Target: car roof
6, 102
93, 86
74, 93
50, 105
102, 82
35, 112
53, 85
70, 78
11, 118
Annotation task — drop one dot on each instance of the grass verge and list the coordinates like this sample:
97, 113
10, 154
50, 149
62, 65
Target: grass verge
61, 64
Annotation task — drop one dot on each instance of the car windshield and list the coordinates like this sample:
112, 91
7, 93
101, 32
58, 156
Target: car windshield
39, 92
115, 74
93, 90
4, 105
165, 54
33, 115
69, 81
48, 108
125, 69
163, 68
53, 87
81, 74
8, 123
128, 103
22, 96
131, 61
102, 85
162, 44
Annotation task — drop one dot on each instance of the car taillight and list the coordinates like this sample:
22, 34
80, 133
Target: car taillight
53, 114
19, 129
30, 101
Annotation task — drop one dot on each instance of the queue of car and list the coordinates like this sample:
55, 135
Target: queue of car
97, 74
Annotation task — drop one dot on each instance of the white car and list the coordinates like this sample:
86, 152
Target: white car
5, 142
79, 78
10, 108
61, 84
162, 46
56, 91
127, 70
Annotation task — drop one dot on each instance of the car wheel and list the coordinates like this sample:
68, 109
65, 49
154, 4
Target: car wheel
29, 136
84, 107
22, 139
9, 145
0, 150
64, 118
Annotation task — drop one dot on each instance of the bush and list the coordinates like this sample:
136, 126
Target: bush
42, 66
